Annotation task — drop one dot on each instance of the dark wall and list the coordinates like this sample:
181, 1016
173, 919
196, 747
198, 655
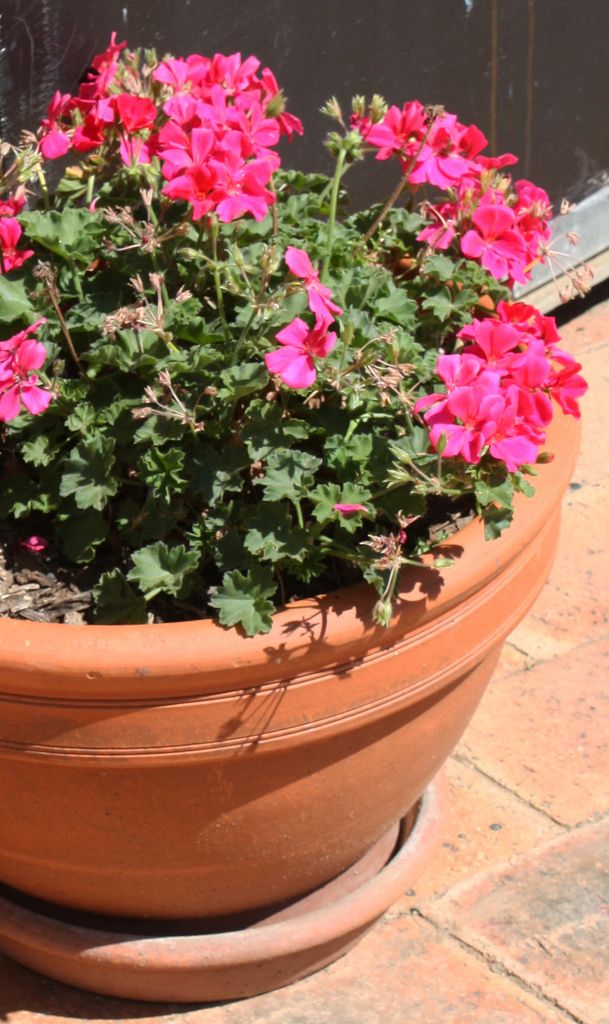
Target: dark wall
533, 74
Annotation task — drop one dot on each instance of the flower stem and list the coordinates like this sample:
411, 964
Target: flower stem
393, 198
299, 516
53, 296
402, 183
338, 173
216, 273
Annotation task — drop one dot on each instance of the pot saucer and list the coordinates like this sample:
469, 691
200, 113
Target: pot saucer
131, 960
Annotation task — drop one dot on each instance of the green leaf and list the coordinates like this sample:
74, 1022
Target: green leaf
243, 379
440, 304
82, 419
162, 469
501, 493
398, 308
272, 535
213, 474
244, 600
71, 233
440, 266
14, 301
40, 450
88, 474
81, 534
267, 429
160, 568
116, 602
289, 474
496, 520
326, 496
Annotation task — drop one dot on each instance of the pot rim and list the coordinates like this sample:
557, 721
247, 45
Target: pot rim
307, 635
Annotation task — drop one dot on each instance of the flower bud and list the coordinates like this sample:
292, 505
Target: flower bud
275, 106
382, 612
378, 108
332, 109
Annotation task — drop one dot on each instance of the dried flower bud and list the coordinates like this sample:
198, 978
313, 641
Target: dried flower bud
157, 281
136, 283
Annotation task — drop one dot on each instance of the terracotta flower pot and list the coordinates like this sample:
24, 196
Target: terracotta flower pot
184, 771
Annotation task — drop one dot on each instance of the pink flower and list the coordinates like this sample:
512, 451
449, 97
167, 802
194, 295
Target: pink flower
495, 343
346, 509
468, 422
134, 112
12, 205
103, 69
494, 241
54, 141
134, 150
294, 362
448, 154
34, 544
400, 131
11, 258
319, 295
20, 355
240, 187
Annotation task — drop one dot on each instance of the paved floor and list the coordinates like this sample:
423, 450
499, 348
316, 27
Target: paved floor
510, 925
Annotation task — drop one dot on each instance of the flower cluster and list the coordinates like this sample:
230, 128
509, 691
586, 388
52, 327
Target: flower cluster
499, 388
234, 392
504, 226
20, 356
212, 122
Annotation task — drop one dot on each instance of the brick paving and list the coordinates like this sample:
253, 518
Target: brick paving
510, 924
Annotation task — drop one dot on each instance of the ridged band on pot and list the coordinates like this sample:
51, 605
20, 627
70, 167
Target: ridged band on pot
184, 770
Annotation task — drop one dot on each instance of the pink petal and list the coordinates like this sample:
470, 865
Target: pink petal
296, 369
10, 406
299, 263
345, 509
54, 145
294, 334
35, 399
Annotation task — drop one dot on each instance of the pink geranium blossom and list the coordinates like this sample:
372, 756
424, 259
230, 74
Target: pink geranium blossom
103, 69
494, 241
19, 356
399, 132
319, 295
34, 544
294, 362
54, 141
11, 258
468, 421
134, 112
346, 509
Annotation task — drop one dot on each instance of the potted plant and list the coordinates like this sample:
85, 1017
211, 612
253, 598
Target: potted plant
223, 395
